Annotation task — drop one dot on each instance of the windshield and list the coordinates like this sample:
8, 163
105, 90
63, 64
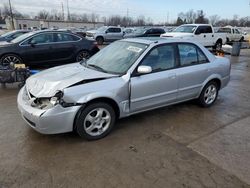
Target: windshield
102, 28
117, 57
22, 37
140, 30
8, 34
224, 30
185, 29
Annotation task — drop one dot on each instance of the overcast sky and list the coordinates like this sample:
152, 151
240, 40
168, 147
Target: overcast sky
158, 10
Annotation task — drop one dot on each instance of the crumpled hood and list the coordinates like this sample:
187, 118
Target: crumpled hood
177, 34
47, 83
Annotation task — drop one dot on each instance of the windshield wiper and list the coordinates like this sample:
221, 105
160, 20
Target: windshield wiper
97, 67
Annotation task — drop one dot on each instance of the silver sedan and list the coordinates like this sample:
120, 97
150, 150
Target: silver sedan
127, 77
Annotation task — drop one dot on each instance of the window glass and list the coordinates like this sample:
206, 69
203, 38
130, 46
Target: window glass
63, 37
160, 58
237, 31
188, 54
204, 29
191, 54
201, 57
42, 38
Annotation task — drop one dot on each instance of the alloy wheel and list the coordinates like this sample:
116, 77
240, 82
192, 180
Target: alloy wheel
97, 121
210, 94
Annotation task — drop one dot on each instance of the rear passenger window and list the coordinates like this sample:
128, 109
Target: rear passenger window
63, 37
160, 58
191, 55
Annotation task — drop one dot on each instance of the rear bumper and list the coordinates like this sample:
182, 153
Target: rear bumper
52, 121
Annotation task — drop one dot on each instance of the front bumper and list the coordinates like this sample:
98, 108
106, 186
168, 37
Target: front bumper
51, 121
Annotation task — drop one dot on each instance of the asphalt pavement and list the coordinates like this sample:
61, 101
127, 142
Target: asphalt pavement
177, 146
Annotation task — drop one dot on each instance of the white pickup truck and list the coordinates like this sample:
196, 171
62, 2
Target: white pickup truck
201, 33
232, 34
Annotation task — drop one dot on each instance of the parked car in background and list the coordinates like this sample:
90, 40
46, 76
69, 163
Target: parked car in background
128, 30
106, 34
12, 35
145, 32
232, 33
201, 33
126, 77
46, 48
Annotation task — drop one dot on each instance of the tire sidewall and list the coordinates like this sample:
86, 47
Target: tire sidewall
202, 98
79, 127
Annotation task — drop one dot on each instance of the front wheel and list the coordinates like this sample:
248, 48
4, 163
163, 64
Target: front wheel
95, 121
209, 94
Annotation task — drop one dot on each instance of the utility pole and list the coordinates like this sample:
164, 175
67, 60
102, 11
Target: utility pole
11, 15
68, 9
62, 12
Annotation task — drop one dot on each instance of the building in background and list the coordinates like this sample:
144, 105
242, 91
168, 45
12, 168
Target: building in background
23, 23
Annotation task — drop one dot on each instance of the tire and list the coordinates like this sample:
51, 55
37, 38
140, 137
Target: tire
209, 94
95, 121
10, 58
84, 54
218, 45
100, 40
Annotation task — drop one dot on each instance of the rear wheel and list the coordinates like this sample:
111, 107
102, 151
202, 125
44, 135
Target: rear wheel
100, 40
218, 45
209, 94
95, 121
82, 55
9, 59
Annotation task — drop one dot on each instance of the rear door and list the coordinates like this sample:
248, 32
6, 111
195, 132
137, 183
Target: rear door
193, 71
160, 86
114, 33
65, 46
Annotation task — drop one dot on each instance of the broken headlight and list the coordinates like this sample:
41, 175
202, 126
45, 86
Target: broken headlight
46, 103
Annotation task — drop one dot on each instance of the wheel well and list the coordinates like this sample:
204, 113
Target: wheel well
102, 99
217, 81
219, 41
100, 37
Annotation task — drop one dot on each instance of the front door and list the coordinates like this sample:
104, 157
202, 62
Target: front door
158, 87
38, 49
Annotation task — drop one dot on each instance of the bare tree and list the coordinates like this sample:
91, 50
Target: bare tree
43, 14
214, 19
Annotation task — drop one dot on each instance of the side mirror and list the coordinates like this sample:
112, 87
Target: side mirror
144, 69
106, 31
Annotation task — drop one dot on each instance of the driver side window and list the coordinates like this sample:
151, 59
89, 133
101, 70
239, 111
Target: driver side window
161, 58
42, 38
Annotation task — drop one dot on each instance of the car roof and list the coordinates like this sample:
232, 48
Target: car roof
151, 40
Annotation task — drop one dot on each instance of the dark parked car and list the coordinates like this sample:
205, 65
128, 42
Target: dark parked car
12, 35
145, 32
46, 47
